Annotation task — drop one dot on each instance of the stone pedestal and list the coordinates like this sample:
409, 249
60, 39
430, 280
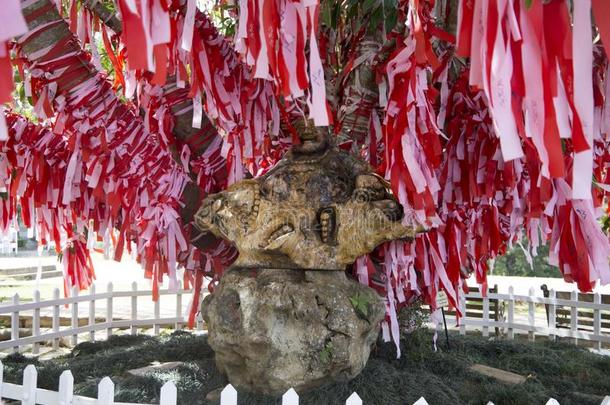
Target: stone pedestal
273, 329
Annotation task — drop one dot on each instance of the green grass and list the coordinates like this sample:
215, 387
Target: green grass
567, 373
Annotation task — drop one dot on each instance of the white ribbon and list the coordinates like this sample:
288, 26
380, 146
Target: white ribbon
582, 50
189, 22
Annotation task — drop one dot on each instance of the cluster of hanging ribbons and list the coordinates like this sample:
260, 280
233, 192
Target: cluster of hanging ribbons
516, 143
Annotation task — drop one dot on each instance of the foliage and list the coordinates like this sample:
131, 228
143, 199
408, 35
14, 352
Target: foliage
514, 263
372, 14
570, 374
21, 103
361, 303
412, 317
327, 353
224, 15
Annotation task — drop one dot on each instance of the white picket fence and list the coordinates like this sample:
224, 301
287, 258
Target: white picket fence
533, 325
28, 392
513, 321
91, 299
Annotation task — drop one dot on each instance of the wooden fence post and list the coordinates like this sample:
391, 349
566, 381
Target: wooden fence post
485, 314
228, 396
56, 318
15, 323
511, 312
169, 394
198, 318
574, 316
156, 325
107, 245
134, 307
109, 310
462, 304
30, 381
92, 313
353, 399
66, 388
552, 314
178, 325
74, 321
597, 320
531, 313
36, 323
290, 397
105, 392
1, 379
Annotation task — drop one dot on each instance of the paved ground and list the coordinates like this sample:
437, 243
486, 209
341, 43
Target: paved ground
121, 274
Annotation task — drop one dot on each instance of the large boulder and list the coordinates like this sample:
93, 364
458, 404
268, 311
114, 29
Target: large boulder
273, 329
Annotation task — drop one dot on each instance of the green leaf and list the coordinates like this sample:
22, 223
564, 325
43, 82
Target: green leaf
390, 9
361, 304
376, 19
326, 353
369, 5
326, 13
528, 3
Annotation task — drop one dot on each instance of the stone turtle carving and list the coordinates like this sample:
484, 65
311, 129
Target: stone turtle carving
318, 208
285, 315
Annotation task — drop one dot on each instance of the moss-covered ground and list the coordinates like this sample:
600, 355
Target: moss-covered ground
567, 373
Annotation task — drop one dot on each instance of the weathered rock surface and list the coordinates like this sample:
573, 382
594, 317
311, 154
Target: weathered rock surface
273, 329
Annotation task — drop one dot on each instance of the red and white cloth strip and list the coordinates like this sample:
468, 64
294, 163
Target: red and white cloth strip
539, 55
161, 109
483, 199
12, 24
147, 32
272, 36
244, 108
412, 155
111, 159
33, 171
535, 66
485, 190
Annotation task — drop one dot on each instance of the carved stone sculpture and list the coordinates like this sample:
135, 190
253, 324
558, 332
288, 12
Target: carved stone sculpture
314, 210
285, 315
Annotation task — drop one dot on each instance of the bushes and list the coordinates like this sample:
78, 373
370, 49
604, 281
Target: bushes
569, 374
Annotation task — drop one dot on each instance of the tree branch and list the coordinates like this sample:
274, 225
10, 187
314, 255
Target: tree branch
106, 13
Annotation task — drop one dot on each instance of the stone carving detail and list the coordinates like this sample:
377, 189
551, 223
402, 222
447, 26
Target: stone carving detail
275, 320
318, 208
